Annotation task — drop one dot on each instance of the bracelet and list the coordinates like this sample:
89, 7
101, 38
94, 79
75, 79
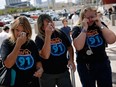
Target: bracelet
83, 30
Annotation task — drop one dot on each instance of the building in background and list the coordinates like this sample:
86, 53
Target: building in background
17, 3
51, 3
109, 1
37, 2
8, 2
88, 2
47, 3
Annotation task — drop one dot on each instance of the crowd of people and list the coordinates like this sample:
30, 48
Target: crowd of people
43, 62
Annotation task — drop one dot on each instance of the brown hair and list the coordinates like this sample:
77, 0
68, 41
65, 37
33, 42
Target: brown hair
65, 19
40, 24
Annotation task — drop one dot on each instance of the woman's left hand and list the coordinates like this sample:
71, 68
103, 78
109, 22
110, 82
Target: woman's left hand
97, 20
71, 65
39, 72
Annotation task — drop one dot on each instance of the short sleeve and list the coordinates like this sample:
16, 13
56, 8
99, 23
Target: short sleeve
39, 42
35, 51
5, 49
104, 24
75, 32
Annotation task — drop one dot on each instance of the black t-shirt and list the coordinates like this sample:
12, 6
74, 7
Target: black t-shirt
25, 66
94, 41
57, 62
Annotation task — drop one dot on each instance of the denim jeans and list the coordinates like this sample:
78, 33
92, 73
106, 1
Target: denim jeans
95, 73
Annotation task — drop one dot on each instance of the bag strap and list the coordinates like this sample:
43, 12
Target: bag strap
1, 64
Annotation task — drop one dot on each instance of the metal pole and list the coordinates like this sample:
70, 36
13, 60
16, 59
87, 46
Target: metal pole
53, 3
48, 3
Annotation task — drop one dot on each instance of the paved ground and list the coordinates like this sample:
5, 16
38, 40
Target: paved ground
111, 51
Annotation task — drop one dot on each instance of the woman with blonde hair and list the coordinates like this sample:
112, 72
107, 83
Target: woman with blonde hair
20, 55
90, 39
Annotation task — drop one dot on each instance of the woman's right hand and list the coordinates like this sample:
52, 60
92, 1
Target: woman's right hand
85, 23
49, 29
21, 39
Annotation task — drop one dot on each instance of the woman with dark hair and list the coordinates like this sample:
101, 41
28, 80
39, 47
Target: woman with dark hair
53, 45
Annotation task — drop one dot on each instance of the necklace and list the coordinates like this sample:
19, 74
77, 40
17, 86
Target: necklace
89, 51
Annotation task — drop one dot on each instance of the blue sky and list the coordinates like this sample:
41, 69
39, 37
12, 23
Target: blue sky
3, 2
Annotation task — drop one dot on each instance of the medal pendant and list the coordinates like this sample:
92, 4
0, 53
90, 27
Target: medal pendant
89, 52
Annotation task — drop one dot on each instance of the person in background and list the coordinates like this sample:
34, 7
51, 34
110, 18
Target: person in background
66, 29
53, 45
100, 15
74, 19
110, 12
20, 55
4, 35
90, 39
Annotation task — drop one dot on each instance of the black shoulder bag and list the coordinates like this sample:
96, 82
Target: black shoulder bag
4, 74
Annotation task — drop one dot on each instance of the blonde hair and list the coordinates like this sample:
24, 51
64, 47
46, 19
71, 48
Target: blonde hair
84, 10
23, 21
